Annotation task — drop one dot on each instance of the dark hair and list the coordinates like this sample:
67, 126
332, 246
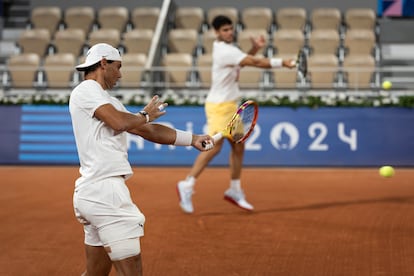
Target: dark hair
220, 20
93, 67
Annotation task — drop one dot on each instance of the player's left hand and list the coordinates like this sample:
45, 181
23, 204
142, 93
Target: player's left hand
258, 42
289, 63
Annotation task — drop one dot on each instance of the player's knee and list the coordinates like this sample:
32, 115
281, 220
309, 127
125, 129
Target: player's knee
120, 250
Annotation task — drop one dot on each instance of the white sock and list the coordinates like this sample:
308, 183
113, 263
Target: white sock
189, 182
235, 184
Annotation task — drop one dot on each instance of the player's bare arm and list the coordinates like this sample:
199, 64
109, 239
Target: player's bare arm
267, 63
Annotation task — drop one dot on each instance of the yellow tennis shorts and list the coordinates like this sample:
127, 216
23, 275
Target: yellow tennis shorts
219, 115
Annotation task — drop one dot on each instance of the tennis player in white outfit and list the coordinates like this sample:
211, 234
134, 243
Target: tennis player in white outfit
221, 103
112, 223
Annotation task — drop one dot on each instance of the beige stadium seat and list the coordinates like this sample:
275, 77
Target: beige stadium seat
324, 41
110, 36
288, 41
46, 17
291, 18
138, 40
132, 69
323, 69
230, 12
189, 18
326, 18
244, 38
359, 70
182, 40
358, 41
251, 77
204, 64
145, 17
207, 39
35, 41
59, 70
177, 68
80, 17
23, 69
113, 17
360, 18
283, 77
70, 41
257, 18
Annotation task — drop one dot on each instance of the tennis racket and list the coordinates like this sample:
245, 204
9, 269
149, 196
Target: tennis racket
302, 64
240, 126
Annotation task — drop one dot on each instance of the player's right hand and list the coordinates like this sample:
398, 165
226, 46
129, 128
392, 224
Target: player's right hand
155, 108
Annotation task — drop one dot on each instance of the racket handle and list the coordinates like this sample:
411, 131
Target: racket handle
216, 137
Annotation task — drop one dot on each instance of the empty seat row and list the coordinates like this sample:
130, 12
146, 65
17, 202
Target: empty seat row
284, 18
57, 71
54, 18
74, 40
325, 72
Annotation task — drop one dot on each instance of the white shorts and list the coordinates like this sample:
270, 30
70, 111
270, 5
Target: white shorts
106, 210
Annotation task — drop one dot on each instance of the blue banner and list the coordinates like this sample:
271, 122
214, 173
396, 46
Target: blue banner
283, 137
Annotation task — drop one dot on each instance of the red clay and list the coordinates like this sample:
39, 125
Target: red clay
306, 222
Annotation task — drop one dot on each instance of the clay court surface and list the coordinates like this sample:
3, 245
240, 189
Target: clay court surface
306, 222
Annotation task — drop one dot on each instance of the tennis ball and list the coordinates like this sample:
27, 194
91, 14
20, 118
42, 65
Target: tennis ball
386, 85
386, 171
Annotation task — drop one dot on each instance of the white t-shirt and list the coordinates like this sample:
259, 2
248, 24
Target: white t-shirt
225, 72
102, 152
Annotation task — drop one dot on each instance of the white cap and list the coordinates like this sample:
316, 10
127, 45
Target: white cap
98, 52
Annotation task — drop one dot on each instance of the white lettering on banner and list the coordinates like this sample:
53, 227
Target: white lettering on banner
250, 142
284, 136
318, 131
351, 139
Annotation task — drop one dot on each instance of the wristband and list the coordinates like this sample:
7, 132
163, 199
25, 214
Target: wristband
183, 138
276, 62
145, 114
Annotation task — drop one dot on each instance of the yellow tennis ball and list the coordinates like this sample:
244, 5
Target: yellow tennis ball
386, 171
386, 85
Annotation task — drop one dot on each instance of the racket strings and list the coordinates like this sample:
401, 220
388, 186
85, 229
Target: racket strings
242, 123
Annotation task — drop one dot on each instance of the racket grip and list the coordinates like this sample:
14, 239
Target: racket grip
216, 137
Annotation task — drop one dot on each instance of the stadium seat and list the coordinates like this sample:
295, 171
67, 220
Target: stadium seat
177, 68
113, 17
230, 12
291, 18
244, 38
182, 41
257, 18
34, 41
323, 70
110, 36
285, 78
138, 40
326, 18
46, 17
23, 69
288, 41
132, 70
70, 41
207, 39
59, 70
360, 18
204, 63
359, 41
145, 17
80, 17
358, 71
324, 41
189, 18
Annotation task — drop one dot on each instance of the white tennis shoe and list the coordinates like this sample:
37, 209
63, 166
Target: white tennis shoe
185, 194
237, 197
